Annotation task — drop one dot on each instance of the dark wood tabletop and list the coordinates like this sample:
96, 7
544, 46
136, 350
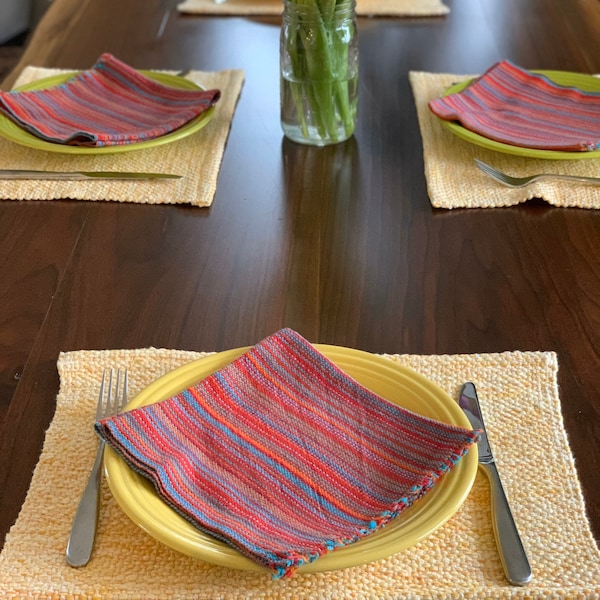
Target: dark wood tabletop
340, 243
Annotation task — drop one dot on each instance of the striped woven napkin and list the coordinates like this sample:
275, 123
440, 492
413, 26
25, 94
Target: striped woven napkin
109, 104
274, 481
512, 105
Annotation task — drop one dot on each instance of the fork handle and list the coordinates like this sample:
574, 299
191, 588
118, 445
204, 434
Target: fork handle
581, 178
83, 530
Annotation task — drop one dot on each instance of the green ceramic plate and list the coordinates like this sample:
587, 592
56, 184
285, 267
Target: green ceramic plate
11, 131
587, 83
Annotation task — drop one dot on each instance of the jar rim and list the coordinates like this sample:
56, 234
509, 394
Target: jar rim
342, 7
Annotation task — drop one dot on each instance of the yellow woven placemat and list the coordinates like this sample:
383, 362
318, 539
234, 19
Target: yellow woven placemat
379, 8
519, 394
453, 180
197, 157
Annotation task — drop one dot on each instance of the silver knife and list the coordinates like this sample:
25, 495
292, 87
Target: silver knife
81, 175
512, 554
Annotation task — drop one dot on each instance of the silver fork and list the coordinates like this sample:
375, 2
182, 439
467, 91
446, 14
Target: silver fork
517, 182
83, 530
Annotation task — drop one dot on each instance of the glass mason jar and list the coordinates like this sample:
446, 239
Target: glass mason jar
319, 70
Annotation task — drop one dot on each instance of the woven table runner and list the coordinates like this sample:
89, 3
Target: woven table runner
453, 180
197, 157
378, 8
521, 405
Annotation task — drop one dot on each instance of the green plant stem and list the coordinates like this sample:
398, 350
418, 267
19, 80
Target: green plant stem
319, 57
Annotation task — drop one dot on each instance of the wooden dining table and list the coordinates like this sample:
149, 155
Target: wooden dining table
340, 243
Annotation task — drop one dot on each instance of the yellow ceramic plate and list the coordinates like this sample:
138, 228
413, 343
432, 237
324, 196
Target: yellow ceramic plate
587, 83
137, 497
11, 131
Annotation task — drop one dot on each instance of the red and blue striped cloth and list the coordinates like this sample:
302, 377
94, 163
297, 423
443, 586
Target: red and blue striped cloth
109, 104
284, 456
514, 106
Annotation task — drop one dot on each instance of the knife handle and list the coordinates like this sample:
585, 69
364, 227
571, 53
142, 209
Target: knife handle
512, 553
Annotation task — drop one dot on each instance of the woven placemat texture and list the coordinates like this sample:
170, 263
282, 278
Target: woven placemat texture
453, 180
197, 157
520, 400
375, 8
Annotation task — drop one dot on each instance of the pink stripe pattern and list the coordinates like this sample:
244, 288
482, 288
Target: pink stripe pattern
109, 104
514, 106
284, 456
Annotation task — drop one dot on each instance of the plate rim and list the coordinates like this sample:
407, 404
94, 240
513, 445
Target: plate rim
223, 554
480, 140
25, 138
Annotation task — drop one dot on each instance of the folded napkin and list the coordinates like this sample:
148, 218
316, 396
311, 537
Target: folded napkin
109, 104
283, 455
388, 8
512, 105
453, 180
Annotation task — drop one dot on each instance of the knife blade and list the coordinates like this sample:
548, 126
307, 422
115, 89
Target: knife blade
81, 175
510, 547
